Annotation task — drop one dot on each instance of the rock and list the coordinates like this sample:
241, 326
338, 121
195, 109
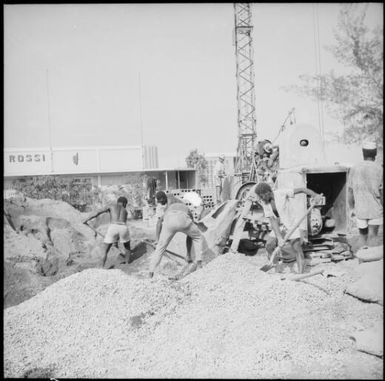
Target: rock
369, 287
370, 254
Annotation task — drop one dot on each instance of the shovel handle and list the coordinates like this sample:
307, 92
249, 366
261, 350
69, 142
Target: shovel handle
97, 232
288, 234
303, 276
167, 251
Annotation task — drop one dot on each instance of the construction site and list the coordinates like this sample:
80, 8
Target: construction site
239, 308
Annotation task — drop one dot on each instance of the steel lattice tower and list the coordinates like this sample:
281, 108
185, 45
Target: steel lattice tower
245, 86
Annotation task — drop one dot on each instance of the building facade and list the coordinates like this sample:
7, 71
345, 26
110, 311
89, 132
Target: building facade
71, 160
107, 165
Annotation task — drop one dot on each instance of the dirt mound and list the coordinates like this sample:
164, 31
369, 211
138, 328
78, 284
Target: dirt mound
21, 248
42, 239
21, 283
227, 320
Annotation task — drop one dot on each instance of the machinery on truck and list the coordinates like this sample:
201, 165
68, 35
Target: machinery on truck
302, 163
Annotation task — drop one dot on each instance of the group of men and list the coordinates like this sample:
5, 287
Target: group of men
364, 197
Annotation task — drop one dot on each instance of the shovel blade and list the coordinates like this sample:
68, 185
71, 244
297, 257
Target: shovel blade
266, 268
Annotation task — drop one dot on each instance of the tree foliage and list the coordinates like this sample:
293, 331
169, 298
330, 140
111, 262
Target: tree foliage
80, 192
198, 161
356, 99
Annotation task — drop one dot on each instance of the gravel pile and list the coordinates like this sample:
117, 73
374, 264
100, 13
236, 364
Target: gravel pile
242, 323
73, 323
228, 320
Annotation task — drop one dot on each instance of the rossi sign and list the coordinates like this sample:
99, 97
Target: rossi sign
27, 163
28, 158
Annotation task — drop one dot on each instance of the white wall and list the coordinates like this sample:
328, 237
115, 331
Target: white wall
121, 159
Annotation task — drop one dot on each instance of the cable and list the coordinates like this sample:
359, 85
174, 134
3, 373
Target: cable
282, 128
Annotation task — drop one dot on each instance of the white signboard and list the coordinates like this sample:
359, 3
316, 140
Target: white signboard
75, 161
27, 162
68, 160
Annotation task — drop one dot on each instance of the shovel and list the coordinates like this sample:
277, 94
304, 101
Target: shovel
96, 232
324, 272
167, 251
277, 250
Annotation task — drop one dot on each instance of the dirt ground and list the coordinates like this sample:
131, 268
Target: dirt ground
66, 317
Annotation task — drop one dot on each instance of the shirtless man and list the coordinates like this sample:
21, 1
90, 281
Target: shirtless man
117, 228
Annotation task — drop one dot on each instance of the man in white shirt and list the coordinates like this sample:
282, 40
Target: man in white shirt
365, 195
219, 175
278, 207
173, 217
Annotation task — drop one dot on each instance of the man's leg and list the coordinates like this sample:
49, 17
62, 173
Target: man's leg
363, 230
106, 248
188, 247
297, 247
363, 237
127, 251
197, 240
373, 235
124, 237
271, 244
165, 237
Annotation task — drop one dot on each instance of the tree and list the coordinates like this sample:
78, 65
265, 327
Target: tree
356, 99
198, 161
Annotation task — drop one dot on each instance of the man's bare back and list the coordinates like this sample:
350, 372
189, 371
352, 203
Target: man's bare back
118, 214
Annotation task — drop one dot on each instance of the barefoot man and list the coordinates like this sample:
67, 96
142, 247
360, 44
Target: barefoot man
117, 229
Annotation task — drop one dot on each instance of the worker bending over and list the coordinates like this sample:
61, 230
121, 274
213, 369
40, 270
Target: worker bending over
365, 195
174, 218
117, 230
277, 206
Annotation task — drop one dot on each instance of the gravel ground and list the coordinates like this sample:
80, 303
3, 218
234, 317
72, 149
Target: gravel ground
227, 320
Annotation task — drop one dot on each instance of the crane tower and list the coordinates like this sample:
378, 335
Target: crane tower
245, 87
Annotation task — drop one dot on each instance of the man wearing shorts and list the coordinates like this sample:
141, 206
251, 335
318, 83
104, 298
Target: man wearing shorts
117, 230
172, 219
365, 195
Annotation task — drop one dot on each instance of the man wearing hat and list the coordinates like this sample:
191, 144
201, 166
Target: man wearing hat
365, 195
219, 175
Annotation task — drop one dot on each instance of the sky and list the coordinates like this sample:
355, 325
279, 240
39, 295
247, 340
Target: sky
80, 75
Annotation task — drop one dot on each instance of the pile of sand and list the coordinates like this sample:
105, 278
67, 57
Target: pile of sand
227, 320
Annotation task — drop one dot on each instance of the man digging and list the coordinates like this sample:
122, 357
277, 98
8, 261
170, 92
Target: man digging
278, 208
117, 229
172, 219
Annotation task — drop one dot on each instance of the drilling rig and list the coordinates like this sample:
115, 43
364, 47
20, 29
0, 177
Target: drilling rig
301, 139
245, 89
